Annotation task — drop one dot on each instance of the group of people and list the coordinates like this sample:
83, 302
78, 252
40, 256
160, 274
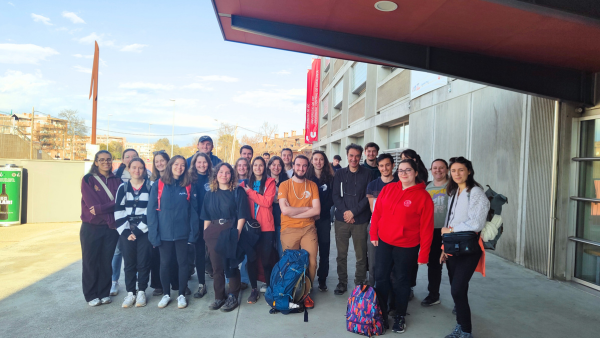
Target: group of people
196, 214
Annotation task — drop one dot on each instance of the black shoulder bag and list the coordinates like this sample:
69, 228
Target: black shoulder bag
460, 243
251, 224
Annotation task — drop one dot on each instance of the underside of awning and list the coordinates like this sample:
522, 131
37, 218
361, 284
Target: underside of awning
549, 48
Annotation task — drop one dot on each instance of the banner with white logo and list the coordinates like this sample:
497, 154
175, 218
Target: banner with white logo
313, 83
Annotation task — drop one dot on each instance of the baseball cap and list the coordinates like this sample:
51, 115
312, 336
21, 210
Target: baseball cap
205, 138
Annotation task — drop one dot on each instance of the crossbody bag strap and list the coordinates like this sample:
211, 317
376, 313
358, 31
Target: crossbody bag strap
450, 210
110, 195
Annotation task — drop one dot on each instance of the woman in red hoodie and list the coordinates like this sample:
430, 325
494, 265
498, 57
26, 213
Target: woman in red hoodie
402, 230
261, 192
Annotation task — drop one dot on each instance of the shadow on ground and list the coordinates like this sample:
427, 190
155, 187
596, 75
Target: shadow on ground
510, 302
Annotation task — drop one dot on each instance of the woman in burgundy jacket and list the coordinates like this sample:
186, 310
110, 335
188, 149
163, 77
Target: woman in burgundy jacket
98, 233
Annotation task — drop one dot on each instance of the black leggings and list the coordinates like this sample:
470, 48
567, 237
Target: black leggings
460, 271
137, 260
263, 250
402, 262
166, 253
200, 251
323, 226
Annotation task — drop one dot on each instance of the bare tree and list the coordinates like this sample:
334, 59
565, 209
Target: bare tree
76, 128
268, 130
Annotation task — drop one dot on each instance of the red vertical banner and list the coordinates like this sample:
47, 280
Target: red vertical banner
312, 102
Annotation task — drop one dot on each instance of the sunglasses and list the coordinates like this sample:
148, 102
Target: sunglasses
158, 152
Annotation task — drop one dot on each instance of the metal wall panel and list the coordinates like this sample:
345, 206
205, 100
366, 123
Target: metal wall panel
539, 184
451, 128
495, 152
421, 129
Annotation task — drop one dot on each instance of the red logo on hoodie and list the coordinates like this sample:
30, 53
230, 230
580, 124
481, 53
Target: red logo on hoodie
407, 203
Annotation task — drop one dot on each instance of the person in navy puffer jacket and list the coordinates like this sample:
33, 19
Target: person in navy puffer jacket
173, 222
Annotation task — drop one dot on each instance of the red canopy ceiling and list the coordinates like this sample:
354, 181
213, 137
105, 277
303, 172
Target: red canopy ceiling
465, 25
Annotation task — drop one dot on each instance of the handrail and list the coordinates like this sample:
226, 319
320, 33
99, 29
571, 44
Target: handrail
585, 159
582, 240
585, 199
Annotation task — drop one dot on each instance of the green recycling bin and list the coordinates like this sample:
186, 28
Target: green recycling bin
10, 196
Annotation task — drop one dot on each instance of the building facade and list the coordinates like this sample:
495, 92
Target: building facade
542, 154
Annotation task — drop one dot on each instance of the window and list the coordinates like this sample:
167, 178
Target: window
338, 94
398, 136
359, 77
325, 107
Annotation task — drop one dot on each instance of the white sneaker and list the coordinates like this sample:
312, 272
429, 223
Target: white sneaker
106, 300
129, 300
94, 302
164, 302
114, 289
181, 302
140, 300
263, 288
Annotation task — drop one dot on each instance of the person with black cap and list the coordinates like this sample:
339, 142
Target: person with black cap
205, 145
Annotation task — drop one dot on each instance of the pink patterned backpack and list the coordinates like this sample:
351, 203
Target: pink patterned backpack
363, 315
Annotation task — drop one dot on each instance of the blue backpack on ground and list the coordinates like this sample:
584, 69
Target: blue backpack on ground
288, 283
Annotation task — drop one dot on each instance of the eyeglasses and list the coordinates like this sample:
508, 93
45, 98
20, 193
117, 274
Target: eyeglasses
405, 171
158, 152
104, 160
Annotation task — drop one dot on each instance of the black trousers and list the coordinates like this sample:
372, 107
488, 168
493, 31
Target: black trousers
155, 282
402, 262
323, 226
200, 256
264, 248
434, 268
166, 259
98, 243
136, 255
460, 271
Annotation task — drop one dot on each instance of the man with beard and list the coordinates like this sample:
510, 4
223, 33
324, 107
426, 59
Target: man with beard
352, 216
300, 204
371, 152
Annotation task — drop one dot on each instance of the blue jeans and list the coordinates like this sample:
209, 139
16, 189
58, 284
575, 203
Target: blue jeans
116, 264
243, 273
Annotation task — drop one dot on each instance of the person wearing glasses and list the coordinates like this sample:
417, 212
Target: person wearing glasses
401, 229
98, 232
205, 145
351, 217
467, 211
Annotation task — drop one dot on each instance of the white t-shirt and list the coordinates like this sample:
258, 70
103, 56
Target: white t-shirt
290, 173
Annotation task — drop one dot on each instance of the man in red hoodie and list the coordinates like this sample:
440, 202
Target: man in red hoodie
402, 230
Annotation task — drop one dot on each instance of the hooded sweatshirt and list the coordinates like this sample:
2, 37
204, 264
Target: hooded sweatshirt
404, 218
94, 195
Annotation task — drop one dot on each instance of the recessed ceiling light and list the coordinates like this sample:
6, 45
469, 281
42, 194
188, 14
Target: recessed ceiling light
386, 6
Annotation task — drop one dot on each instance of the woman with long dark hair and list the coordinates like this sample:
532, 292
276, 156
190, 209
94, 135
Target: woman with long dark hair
225, 208
132, 225
159, 164
98, 232
173, 223
467, 211
261, 191
200, 173
401, 229
409, 154
321, 172
275, 170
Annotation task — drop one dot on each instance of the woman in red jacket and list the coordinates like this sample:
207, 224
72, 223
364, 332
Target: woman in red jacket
402, 230
261, 192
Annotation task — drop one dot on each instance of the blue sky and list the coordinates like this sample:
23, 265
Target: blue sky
150, 52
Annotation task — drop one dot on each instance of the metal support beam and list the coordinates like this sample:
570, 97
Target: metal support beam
541, 80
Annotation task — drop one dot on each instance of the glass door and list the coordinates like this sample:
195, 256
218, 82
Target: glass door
587, 218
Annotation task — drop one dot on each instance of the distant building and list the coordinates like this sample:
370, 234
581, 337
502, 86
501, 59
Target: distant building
144, 149
291, 140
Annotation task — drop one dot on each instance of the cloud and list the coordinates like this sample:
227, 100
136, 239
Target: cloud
282, 72
10, 3
73, 17
136, 47
39, 18
83, 56
199, 86
24, 53
17, 88
269, 85
62, 29
83, 69
284, 99
146, 86
217, 78
95, 37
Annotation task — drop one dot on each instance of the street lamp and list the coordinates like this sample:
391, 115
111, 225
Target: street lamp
173, 130
149, 124
108, 133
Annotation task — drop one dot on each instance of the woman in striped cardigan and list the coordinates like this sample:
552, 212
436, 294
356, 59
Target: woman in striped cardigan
130, 217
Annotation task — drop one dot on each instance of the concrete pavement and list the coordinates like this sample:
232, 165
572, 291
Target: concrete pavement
510, 302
